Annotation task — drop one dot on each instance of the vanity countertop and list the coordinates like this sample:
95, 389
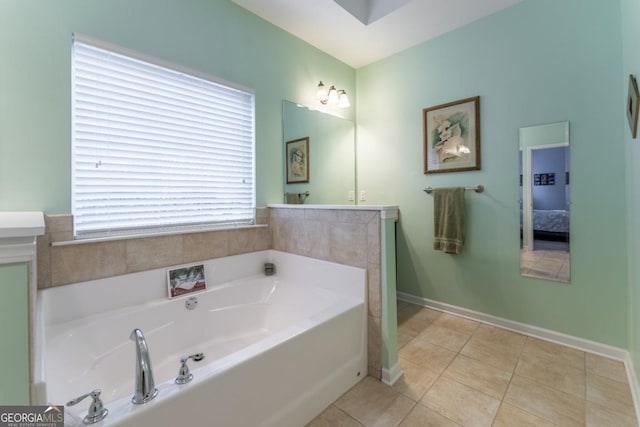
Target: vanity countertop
341, 207
18, 232
386, 211
21, 224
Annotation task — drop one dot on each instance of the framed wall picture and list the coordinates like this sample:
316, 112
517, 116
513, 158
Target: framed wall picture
544, 179
185, 279
452, 136
632, 106
297, 152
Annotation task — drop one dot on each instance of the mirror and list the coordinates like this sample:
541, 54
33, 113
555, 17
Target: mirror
325, 165
544, 202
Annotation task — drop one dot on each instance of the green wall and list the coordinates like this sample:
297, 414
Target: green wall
14, 332
211, 36
631, 55
541, 61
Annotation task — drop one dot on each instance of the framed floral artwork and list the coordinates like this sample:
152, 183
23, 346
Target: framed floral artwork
297, 153
452, 136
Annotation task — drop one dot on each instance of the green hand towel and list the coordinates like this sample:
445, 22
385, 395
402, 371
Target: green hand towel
448, 219
294, 199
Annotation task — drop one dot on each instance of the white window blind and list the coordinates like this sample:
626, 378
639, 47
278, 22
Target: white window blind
155, 148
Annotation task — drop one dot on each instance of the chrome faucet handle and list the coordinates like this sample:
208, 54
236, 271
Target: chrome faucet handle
184, 376
97, 411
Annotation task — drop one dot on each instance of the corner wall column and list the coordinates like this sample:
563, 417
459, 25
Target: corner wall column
391, 371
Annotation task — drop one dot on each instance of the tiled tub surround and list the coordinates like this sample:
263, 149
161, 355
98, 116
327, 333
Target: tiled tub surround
298, 337
65, 264
351, 236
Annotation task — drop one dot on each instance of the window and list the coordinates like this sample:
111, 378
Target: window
156, 148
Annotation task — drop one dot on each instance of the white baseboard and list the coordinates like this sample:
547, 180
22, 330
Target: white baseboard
633, 384
391, 375
536, 332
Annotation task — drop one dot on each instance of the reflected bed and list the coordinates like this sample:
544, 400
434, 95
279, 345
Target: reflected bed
551, 224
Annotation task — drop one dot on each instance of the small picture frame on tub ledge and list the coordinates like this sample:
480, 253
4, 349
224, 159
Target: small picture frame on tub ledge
185, 279
632, 106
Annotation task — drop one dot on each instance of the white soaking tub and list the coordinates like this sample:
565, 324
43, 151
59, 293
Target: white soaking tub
278, 349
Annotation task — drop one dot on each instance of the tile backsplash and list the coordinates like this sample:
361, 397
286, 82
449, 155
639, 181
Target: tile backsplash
350, 237
65, 264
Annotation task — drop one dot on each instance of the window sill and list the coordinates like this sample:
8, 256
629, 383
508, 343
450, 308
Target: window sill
154, 234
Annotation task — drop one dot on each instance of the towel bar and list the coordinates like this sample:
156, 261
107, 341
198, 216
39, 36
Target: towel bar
477, 189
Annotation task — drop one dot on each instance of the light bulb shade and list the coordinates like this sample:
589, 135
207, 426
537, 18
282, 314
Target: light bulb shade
333, 96
321, 94
343, 99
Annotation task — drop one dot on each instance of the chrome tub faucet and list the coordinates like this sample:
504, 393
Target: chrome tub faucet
145, 389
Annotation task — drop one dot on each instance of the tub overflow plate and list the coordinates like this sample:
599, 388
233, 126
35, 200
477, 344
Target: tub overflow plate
191, 303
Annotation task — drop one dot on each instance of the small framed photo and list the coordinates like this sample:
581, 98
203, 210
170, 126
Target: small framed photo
632, 106
452, 136
185, 279
297, 152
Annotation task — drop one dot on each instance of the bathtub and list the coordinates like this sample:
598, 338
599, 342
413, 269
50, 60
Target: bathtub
278, 349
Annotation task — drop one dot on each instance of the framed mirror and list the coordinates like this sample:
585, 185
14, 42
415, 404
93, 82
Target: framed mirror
544, 202
322, 146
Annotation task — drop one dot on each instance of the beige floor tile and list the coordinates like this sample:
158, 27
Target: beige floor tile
553, 405
413, 319
542, 384
601, 416
613, 394
500, 337
405, 307
546, 268
547, 261
462, 404
444, 337
565, 273
555, 353
412, 326
421, 416
510, 416
605, 367
491, 351
333, 417
427, 355
456, 323
416, 380
479, 376
404, 337
407, 310
559, 376
372, 403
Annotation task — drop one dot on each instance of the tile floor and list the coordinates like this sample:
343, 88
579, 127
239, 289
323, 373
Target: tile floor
551, 264
458, 372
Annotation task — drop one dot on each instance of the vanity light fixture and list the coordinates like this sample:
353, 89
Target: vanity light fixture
343, 99
332, 96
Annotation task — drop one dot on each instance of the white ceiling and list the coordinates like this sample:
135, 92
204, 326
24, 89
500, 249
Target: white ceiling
339, 27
